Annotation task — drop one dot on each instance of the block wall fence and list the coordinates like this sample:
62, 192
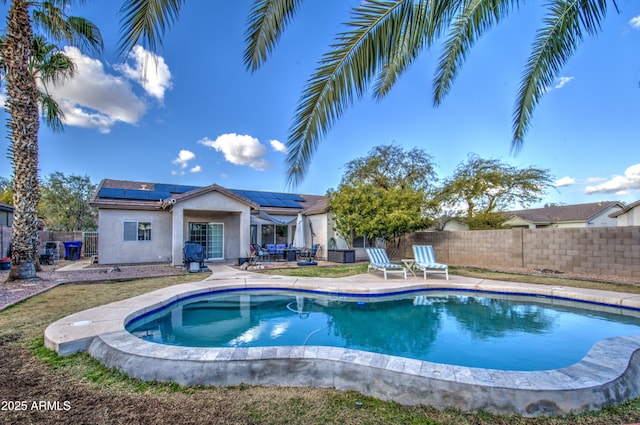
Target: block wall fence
592, 250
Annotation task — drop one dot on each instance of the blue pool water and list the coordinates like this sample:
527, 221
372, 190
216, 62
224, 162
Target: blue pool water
466, 329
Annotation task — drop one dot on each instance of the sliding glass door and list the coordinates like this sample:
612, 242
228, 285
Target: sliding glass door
210, 236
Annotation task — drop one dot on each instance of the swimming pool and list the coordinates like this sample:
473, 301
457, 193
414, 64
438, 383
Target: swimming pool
474, 329
608, 374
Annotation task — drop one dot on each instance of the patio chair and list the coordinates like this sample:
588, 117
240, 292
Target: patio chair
426, 261
259, 253
280, 247
310, 253
271, 248
378, 260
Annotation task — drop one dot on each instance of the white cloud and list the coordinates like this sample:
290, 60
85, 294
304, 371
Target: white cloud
559, 83
595, 179
184, 156
562, 81
149, 70
239, 149
565, 181
195, 169
95, 99
635, 22
619, 185
278, 146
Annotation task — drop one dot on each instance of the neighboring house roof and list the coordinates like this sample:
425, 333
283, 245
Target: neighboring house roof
6, 207
563, 213
129, 194
625, 209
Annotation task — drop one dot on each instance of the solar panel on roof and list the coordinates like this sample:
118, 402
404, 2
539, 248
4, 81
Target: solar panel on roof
108, 192
173, 188
144, 195
272, 199
164, 187
156, 195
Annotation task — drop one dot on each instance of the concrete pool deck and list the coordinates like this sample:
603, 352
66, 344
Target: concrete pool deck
608, 374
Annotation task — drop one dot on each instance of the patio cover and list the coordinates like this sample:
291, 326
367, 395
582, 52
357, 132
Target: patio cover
263, 217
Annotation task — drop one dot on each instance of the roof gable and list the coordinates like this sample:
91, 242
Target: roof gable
625, 210
564, 213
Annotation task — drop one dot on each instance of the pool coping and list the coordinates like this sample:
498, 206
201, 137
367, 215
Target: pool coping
608, 374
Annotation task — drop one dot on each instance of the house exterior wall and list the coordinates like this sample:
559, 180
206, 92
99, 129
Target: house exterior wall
570, 225
112, 247
212, 207
630, 218
321, 229
340, 243
603, 219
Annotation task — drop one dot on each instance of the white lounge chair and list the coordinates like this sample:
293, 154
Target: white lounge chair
378, 260
426, 261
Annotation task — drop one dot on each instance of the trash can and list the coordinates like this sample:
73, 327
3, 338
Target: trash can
72, 250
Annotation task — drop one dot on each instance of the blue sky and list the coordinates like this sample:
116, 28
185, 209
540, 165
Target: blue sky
199, 117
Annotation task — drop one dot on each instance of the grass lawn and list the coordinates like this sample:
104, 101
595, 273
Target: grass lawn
79, 390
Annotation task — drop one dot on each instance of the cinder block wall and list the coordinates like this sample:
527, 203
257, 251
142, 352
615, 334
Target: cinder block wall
594, 250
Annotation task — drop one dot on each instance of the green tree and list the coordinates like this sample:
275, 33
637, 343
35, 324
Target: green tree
383, 195
6, 191
64, 203
484, 187
384, 37
22, 104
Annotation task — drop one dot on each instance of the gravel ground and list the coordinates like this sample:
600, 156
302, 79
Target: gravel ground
50, 276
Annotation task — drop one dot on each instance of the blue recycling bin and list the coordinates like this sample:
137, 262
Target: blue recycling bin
72, 250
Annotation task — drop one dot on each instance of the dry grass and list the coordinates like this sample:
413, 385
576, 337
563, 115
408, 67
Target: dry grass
100, 396
540, 279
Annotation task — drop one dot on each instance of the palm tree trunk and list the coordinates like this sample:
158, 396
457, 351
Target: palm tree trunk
22, 105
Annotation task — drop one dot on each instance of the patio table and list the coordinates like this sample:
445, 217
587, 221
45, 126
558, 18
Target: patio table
409, 264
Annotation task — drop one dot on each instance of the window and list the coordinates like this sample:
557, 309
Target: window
137, 231
210, 236
361, 242
267, 234
282, 231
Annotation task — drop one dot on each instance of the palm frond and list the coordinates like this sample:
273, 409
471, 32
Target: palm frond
407, 42
56, 68
147, 20
50, 18
86, 35
564, 30
51, 112
471, 21
343, 73
266, 23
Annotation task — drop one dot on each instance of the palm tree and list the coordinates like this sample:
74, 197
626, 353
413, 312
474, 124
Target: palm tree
146, 19
384, 37
20, 54
47, 65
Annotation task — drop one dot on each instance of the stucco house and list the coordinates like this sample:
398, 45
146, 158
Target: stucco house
628, 216
144, 222
596, 214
